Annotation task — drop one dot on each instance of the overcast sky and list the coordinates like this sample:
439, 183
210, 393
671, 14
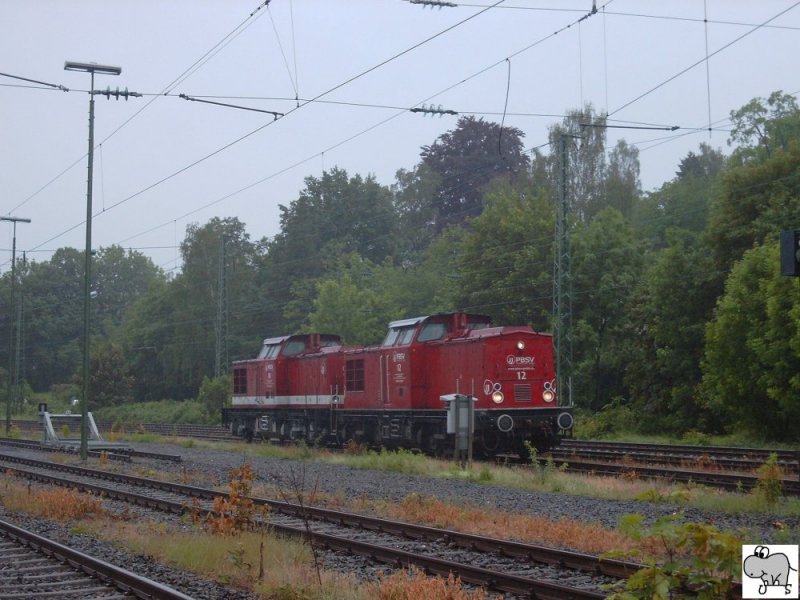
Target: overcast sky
163, 162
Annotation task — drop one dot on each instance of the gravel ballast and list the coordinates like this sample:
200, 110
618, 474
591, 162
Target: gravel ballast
352, 484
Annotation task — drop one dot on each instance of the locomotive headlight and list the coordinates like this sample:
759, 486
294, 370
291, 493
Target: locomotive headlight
520, 345
548, 395
497, 397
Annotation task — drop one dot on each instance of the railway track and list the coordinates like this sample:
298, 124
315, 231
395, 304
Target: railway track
523, 569
723, 467
124, 455
719, 479
206, 432
721, 457
36, 567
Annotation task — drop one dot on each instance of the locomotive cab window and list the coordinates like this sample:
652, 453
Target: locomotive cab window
405, 336
293, 348
399, 336
431, 332
269, 351
391, 337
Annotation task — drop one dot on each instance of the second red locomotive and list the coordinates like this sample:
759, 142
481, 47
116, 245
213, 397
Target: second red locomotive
311, 387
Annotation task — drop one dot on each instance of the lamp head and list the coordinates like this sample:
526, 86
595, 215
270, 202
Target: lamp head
92, 68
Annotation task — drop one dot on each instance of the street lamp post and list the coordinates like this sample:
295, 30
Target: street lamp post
11, 317
90, 68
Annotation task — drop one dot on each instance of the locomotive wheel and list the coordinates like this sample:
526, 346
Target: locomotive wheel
490, 440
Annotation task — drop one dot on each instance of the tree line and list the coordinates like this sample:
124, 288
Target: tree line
680, 318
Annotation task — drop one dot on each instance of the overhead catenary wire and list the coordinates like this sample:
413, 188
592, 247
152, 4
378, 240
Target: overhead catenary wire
708, 65
350, 138
704, 59
43, 83
372, 127
166, 90
283, 54
260, 128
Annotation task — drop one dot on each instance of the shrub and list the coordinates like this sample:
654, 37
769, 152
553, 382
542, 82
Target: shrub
769, 487
701, 562
214, 394
237, 512
415, 585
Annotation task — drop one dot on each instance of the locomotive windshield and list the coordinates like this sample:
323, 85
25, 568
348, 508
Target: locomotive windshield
293, 347
399, 336
269, 351
432, 331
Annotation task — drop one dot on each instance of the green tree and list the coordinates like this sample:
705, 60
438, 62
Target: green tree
756, 200
413, 193
606, 266
506, 262
762, 126
671, 306
335, 215
622, 186
466, 159
215, 393
110, 382
217, 272
682, 203
751, 368
355, 313
148, 335
119, 278
706, 165
583, 134
53, 323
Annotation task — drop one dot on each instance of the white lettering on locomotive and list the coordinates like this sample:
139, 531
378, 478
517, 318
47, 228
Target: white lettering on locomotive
521, 361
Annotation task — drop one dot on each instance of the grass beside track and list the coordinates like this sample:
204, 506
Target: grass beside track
548, 478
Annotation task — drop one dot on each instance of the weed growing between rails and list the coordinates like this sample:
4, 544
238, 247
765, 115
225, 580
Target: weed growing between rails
272, 567
544, 474
55, 503
413, 584
483, 520
237, 512
769, 488
297, 484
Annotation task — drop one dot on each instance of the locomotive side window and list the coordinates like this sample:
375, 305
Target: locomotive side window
240, 381
293, 347
432, 331
354, 375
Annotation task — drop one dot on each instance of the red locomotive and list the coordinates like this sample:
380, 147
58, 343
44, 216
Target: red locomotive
311, 387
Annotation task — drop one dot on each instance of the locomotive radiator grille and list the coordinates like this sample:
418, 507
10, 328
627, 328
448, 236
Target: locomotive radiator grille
522, 392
